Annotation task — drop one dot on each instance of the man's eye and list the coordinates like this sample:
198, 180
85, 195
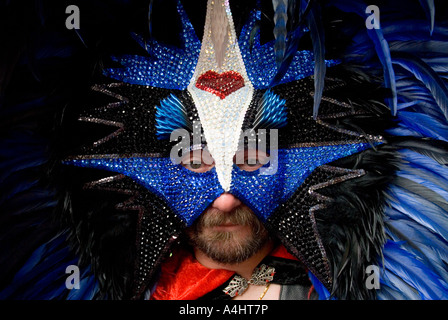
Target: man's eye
251, 160
198, 166
198, 161
194, 165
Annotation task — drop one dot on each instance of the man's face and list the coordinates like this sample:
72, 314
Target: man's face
228, 232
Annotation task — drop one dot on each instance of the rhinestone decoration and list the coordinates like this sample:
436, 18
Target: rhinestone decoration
263, 193
260, 59
301, 130
158, 229
173, 68
187, 193
260, 277
165, 67
221, 116
220, 84
136, 112
237, 286
158, 226
294, 221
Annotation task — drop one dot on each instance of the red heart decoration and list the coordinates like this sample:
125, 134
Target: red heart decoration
220, 84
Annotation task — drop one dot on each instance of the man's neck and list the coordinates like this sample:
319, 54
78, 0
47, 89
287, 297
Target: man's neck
244, 269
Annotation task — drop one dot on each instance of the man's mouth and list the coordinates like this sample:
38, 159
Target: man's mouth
218, 221
227, 227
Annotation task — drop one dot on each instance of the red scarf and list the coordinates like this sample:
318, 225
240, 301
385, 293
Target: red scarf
184, 278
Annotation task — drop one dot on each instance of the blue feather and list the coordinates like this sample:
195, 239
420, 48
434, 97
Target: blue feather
170, 115
383, 51
387, 292
88, 287
51, 283
150, 5
419, 210
411, 89
420, 161
424, 125
416, 237
406, 105
418, 99
427, 76
422, 224
421, 242
439, 65
402, 132
415, 171
33, 261
413, 272
380, 44
428, 6
280, 20
322, 292
436, 186
424, 48
78, 33
151, 70
43, 274
290, 52
412, 30
317, 37
393, 287
16, 188
271, 112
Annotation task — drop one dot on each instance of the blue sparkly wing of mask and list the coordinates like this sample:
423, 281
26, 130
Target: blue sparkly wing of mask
189, 193
165, 67
260, 59
263, 193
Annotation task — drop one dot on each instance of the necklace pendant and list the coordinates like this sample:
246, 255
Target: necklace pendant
237, 286
260, 277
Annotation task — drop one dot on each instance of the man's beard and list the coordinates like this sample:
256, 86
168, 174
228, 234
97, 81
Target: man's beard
228, 247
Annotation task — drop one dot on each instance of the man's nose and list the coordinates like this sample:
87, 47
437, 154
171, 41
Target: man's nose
226, 202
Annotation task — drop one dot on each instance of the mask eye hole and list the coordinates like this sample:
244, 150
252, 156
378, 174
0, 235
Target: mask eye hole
251, 160
198, 161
